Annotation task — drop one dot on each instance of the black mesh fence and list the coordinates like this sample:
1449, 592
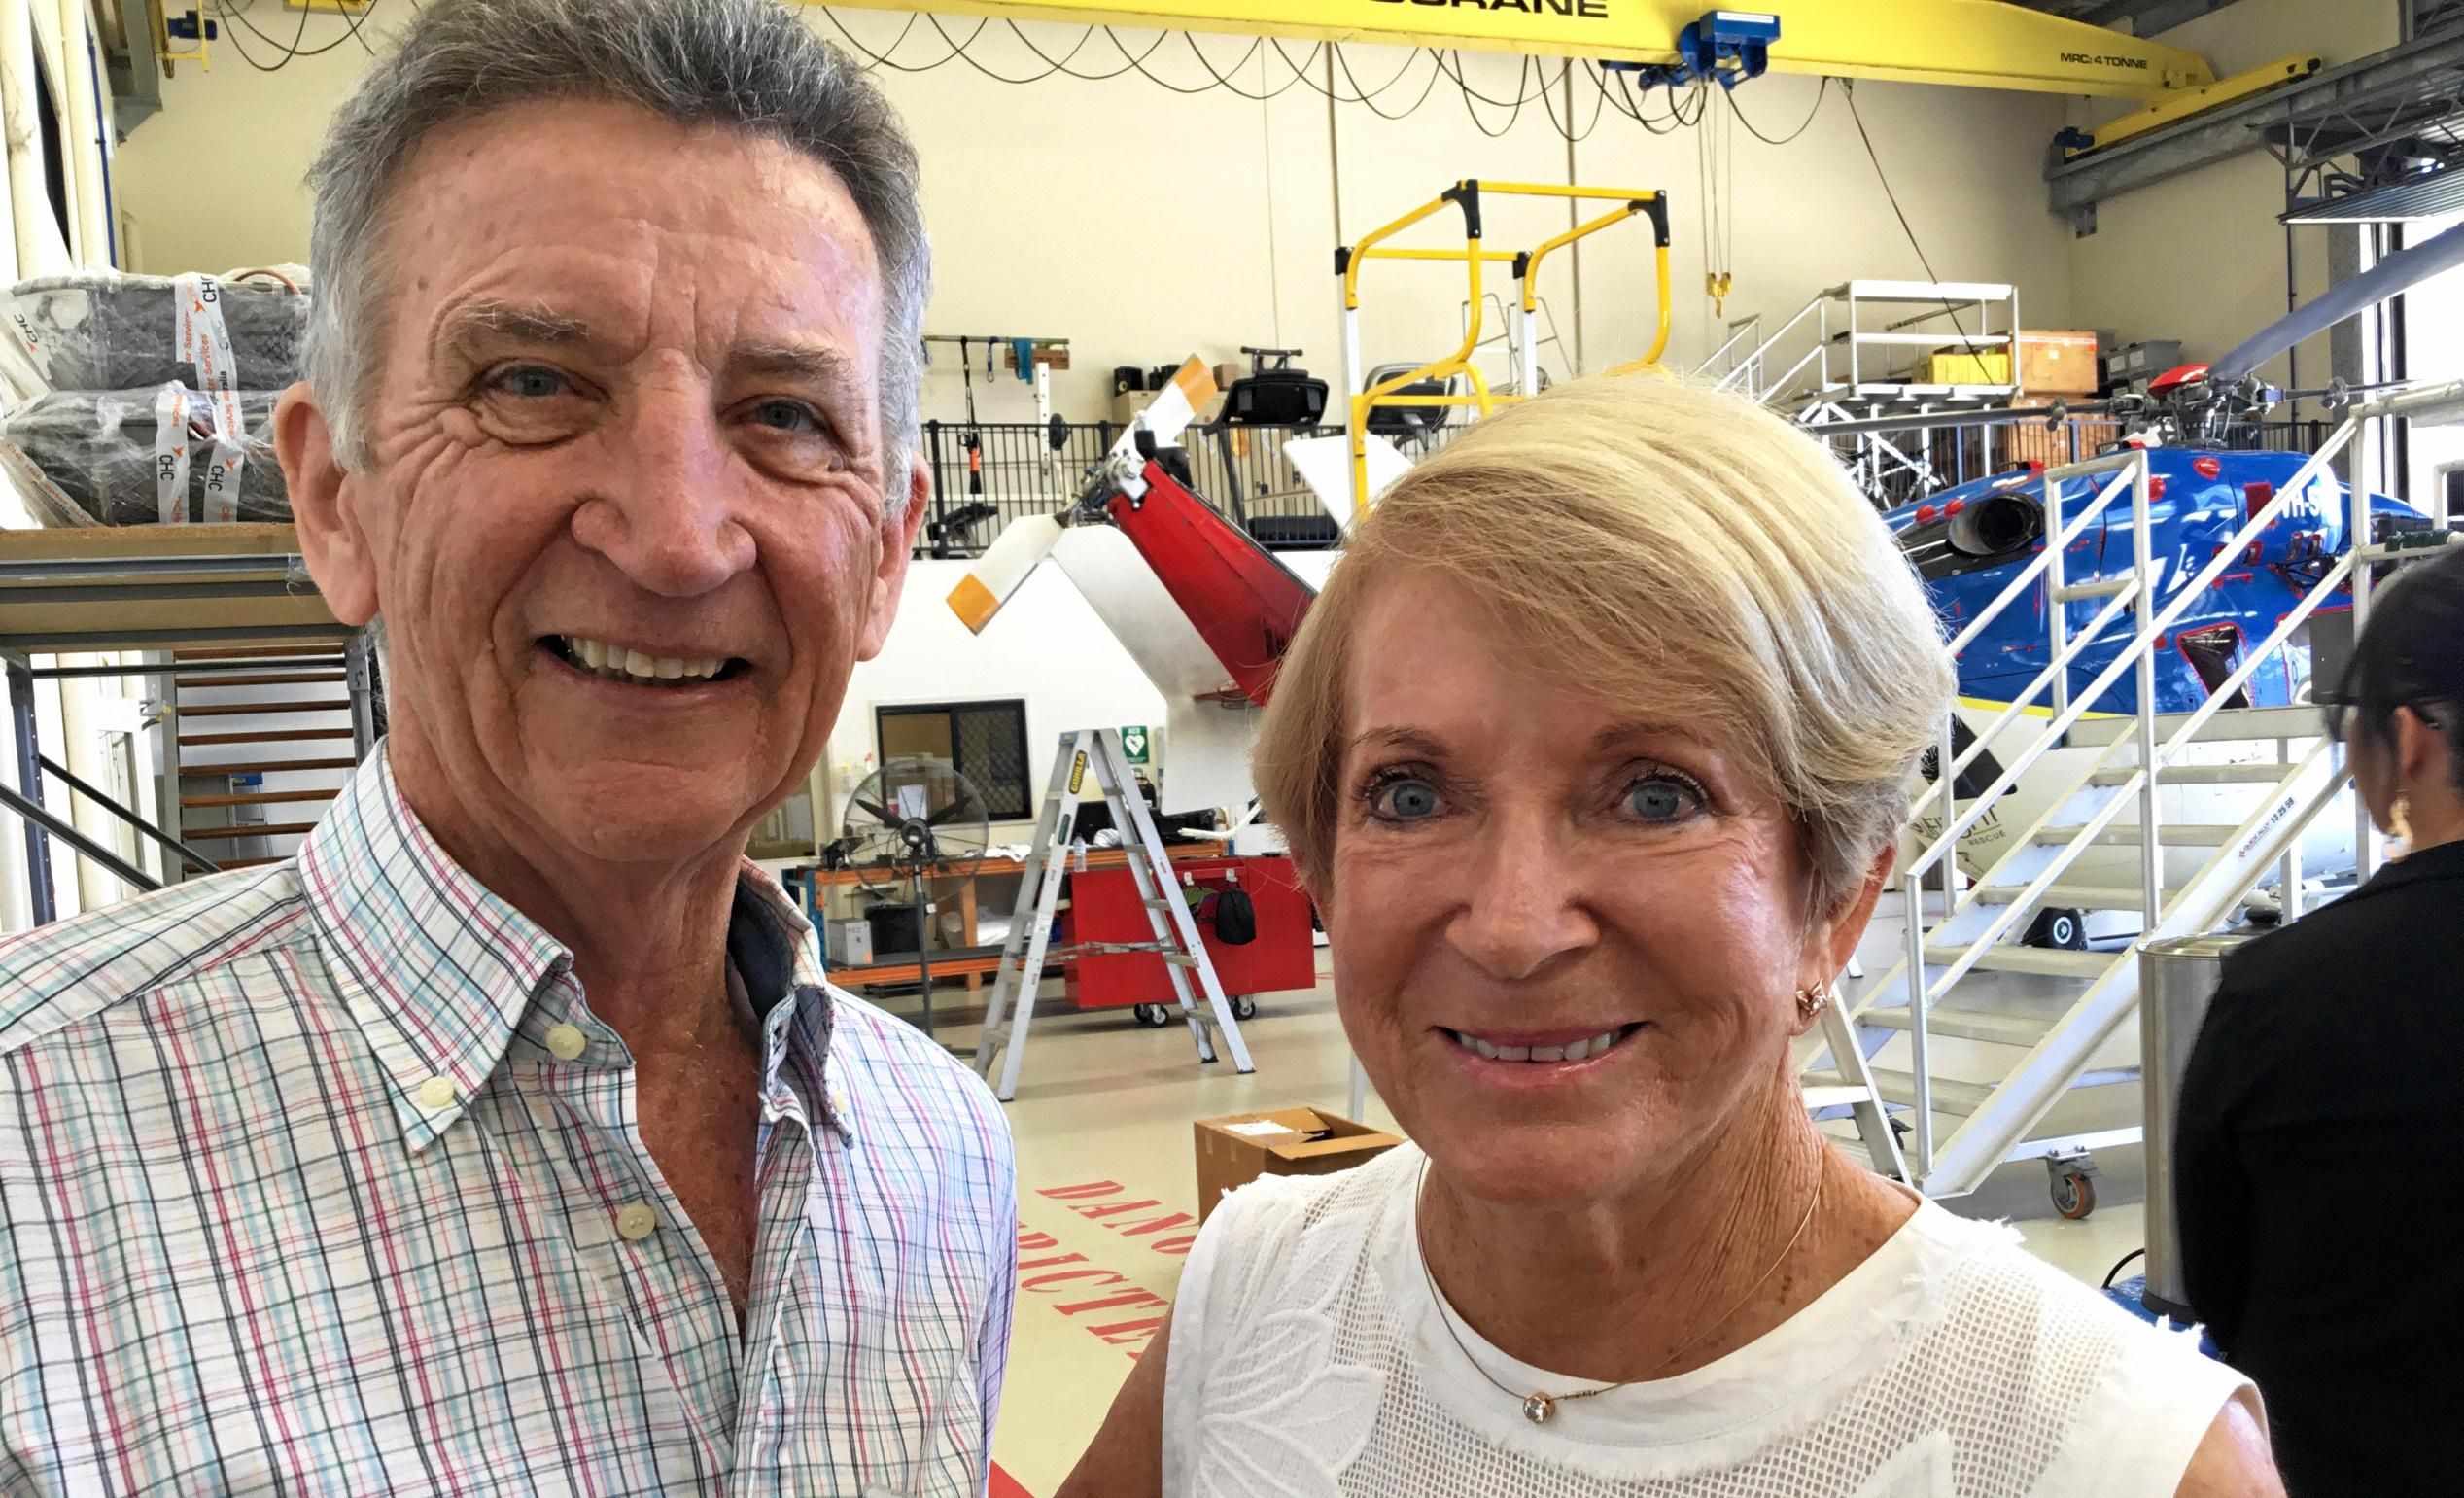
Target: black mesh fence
987, 474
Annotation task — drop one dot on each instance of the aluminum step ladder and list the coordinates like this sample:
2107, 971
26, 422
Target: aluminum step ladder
1174, 927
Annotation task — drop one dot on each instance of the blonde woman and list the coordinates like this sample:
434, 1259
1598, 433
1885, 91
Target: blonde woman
1594, 753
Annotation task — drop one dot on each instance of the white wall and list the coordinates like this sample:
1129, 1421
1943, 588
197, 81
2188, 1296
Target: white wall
2200, 257
1046, 645
1144, 225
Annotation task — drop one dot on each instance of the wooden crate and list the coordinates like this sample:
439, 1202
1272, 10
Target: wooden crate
2058, 364
2027, 443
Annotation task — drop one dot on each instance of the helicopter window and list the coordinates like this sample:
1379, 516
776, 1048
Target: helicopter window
1986, 533
984, 741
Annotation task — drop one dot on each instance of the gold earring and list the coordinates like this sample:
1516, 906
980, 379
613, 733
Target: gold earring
2400, 827
1812, 1002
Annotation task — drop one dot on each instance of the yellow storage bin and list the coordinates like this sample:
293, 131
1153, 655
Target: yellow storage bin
1954, 366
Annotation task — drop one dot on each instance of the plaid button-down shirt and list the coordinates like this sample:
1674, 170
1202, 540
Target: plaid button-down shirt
322, 1178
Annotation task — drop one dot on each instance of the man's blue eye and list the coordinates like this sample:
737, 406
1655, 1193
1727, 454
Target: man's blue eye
532, 382
786, 416
1658, 800
1406, 800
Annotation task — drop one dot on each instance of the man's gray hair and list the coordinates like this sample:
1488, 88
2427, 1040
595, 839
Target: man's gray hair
749, 64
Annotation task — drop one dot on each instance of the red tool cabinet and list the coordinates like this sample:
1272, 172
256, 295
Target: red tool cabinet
1104, 906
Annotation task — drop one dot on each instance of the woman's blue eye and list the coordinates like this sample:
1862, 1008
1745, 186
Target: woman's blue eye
532, 382
1659, 800
1406, 800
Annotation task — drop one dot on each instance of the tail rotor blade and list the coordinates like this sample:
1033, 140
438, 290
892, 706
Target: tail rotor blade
1171, 411
1003, 567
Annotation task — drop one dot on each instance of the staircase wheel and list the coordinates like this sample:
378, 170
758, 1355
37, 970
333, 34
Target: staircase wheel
1152, 1016
2074, 1195
2062, 929
1244, 1008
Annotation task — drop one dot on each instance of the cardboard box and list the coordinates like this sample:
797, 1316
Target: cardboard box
1225, 374
1958, 366
1286, 1141
2058, 364
849, 943
1126, 406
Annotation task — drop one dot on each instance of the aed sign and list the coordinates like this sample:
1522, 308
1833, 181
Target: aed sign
1135, 744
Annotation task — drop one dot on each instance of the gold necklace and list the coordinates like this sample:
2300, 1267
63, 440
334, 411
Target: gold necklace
1537, 1408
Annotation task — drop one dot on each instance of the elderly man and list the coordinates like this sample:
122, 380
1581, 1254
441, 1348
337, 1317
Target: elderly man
507, 1141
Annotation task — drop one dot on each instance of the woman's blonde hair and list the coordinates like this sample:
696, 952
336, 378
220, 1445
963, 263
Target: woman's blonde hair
1668, 549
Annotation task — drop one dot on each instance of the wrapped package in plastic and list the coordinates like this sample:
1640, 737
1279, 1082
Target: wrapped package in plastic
146, 456
103, 331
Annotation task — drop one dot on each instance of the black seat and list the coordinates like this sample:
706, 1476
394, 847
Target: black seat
1275, 394
1400, 424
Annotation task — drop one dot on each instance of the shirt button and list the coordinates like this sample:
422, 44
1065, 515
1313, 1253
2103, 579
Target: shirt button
636, 1220
436, 1093
567, 1042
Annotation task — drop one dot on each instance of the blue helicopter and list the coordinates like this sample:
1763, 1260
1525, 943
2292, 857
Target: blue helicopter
1970, 541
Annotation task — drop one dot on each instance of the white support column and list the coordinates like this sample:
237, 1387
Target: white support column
84, 143
21, 141
2143, 570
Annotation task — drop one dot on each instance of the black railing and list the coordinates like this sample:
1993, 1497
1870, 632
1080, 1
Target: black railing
1910, 467
1019, 470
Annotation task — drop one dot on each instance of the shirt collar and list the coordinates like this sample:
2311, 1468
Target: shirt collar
438, 970
773, 950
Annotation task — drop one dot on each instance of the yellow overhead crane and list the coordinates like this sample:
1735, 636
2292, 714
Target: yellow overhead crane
1982, 44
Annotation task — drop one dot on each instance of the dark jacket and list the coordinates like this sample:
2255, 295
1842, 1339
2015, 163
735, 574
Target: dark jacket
2320, 1167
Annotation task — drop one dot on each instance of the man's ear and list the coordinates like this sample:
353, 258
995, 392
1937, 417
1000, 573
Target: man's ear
323, 505
898, 546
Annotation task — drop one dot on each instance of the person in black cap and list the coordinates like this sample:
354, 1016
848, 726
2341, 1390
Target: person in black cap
2320, 1148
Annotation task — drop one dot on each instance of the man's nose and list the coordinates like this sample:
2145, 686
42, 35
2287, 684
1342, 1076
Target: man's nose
1527, 906
667, 509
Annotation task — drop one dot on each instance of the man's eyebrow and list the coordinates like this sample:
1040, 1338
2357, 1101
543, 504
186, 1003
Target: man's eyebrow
470, 328
794, 364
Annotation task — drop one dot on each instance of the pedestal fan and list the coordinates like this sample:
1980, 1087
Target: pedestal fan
914, 819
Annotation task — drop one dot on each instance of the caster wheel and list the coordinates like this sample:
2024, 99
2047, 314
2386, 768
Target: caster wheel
2063, 930
2074, 1195
1152, 1016
1244, 1008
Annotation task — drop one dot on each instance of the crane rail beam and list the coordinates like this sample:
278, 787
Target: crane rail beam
1978, 44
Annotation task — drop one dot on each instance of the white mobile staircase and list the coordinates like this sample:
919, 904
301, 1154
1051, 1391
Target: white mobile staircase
1849, 345
2047, 1067
1847, 355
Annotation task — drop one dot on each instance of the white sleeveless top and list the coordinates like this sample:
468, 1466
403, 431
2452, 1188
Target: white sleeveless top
1307, 1361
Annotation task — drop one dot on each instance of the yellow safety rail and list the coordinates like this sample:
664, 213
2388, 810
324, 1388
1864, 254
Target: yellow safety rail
1473, 256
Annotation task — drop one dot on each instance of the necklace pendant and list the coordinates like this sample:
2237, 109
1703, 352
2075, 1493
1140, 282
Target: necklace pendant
1539, 1407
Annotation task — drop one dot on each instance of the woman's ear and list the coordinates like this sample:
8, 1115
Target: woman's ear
2420, 751
1832, 941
